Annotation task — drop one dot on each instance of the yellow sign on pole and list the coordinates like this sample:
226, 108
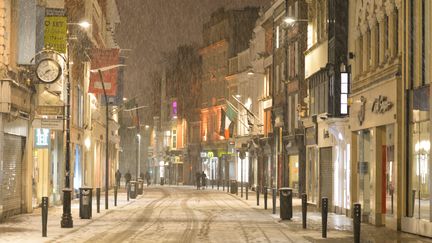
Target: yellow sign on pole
55, 33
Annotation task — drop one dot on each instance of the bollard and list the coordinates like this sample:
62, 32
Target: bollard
98, 200
212, 184
257, 194
236, 184
274, 200
247, 190
304, 209
44, 216
324, 211
218, 182
265, 197
128, 192
357, 222
241, 188
223, 185
115, 196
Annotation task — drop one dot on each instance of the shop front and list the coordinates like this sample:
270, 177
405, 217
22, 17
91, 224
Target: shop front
418, 197
48, 158
375, 169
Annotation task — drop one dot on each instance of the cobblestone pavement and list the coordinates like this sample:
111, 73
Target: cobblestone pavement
184, 214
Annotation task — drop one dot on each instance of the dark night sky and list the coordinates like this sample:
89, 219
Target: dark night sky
152, 27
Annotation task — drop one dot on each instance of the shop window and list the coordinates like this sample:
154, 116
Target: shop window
419, 164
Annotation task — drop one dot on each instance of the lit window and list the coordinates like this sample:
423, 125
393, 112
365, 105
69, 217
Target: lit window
344, 94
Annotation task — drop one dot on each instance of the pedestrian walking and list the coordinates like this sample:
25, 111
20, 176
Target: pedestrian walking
198, 180
118, 177
128, 177
204, 178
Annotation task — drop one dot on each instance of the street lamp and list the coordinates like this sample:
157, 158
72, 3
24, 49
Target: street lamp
66, 221
100, 70
291, 20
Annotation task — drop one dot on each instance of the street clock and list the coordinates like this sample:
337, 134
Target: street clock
48, 70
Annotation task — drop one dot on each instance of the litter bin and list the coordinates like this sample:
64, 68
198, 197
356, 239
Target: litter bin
133, 189
233, 188
85, 209
285, 197
140, 187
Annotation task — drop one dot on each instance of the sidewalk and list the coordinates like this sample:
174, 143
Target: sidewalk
29, 225
339, 227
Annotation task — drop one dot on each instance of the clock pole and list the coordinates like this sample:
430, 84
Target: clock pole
66, 221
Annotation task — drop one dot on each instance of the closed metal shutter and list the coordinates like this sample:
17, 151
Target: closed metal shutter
12, 174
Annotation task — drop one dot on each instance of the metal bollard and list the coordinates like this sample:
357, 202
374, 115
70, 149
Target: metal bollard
324, 212
357, 222
274, 200
218, 182
128, 192
241, 188
236, 188
257, 194
98, 200
265, 197
212, 184
304, 209
44, 216
115, 195
223, 185
247, 190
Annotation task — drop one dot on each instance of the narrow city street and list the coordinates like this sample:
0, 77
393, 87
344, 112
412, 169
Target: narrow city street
183, 214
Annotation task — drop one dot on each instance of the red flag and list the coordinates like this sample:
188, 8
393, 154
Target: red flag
103, 58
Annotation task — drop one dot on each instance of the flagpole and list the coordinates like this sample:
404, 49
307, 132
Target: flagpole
255, 116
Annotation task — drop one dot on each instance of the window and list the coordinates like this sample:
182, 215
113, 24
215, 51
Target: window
344, 94
277, 37
174, 138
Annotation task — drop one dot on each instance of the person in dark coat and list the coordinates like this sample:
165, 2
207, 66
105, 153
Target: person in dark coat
128, 178
118, 177
204, 178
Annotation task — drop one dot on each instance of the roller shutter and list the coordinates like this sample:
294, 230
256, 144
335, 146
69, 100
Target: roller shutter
12, 174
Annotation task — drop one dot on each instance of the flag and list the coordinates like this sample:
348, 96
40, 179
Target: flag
227, 119
103, 58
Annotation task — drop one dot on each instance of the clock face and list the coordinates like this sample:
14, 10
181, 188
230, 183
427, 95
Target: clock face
48, 70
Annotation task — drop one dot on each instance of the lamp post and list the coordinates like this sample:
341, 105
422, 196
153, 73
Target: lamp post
100, 70
66, 221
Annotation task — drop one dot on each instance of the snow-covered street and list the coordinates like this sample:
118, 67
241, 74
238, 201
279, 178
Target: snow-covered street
184, 214
167, 214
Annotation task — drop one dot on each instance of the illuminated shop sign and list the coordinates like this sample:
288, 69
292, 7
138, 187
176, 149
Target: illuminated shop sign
42, 137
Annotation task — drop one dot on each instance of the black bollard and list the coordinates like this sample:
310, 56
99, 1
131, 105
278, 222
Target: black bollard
128, 192
223, 185
257, 194
324, 211
115, 195
212, 184
236, 184
265, 197
218, 182
247, 190
357, 222
241, 188
98, 200
304, 209
44, 216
